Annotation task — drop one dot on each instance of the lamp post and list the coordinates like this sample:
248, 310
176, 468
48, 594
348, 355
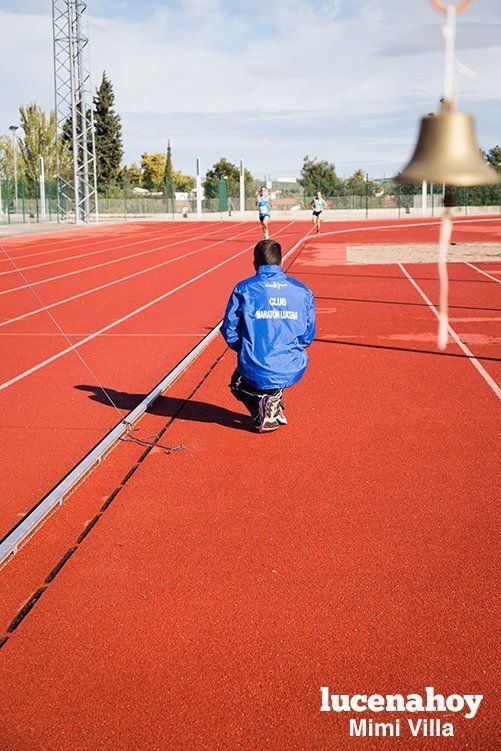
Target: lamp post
228, 198
199, 188
13, 129
242, 186
41, 173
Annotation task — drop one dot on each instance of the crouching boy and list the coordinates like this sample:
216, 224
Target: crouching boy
269, 322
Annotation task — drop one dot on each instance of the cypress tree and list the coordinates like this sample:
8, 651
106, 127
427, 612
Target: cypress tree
108, 135
169, 174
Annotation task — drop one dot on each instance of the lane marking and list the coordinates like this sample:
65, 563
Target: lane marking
126, 317
71, 234
483, 272
117, 246
485, 375
84, 242
107, 263
41, 241
92, 253
117, 281
55, 333
403, 226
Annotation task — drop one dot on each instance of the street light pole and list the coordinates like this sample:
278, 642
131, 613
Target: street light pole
199, 188
13, 129
242, 186
41, 171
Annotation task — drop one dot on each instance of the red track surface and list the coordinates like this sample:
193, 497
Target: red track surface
227, 582
48, 422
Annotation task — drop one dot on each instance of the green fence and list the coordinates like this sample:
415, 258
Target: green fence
122, 201
22, 202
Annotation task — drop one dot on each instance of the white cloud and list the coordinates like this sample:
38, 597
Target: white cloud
227, 77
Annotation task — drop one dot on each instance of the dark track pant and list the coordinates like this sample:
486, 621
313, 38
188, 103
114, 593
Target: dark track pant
248, 394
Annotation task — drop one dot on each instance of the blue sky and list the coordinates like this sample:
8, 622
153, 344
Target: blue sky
344, 80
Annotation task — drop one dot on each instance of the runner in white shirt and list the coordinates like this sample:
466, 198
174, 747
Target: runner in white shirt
317, 204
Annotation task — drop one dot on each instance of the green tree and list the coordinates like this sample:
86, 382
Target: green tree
480, 195
169, 174
355, 185
153, 171
39, 139
493, 156
108, 135
319, 175
6, 158
222, 169
183, 183
132, 175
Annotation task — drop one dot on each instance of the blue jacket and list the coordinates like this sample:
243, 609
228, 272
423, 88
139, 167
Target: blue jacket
269, 321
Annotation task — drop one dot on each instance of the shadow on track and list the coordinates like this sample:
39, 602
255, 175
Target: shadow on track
399, 302
383, 276
168, 406
414, 351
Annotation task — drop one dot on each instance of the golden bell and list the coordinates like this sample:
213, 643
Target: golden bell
447, 152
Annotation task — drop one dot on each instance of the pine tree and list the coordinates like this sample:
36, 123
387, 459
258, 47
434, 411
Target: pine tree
108, 134
169, 174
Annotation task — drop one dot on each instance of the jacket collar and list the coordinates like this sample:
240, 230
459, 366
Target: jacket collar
270, 270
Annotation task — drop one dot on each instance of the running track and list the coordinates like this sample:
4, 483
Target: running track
134, 300
226, 583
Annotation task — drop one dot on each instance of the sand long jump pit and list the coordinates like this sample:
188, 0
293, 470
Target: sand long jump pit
421, 253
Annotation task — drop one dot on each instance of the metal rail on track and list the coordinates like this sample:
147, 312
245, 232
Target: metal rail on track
16, 538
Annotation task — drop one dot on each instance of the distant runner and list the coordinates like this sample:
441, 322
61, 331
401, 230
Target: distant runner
263, 204
317, 205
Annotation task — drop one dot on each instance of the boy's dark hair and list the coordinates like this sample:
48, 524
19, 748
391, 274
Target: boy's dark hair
268, 253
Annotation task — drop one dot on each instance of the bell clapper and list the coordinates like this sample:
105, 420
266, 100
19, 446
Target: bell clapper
443, 248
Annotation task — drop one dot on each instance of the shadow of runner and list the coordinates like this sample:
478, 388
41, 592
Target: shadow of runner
168, 406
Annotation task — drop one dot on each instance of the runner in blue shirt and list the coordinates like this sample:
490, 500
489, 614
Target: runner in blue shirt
263, 204
317, 204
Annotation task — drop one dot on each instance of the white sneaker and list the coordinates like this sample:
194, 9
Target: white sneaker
280, 415
268, 407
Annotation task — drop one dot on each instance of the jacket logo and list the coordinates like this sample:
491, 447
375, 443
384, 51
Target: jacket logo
276, 285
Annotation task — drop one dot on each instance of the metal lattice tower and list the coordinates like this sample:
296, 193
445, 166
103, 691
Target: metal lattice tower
76, 183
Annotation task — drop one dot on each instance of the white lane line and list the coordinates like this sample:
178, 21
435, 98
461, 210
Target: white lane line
498, 281
85, 241
117, 246
117, 281
485, 375
55, 333
108, 263
126, 317
79, 234
81, 240
72, 234
380, 227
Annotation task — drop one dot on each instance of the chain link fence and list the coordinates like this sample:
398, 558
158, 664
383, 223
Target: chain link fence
25, 203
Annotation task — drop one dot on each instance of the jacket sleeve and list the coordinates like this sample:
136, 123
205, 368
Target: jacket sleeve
306, 339
230, 328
